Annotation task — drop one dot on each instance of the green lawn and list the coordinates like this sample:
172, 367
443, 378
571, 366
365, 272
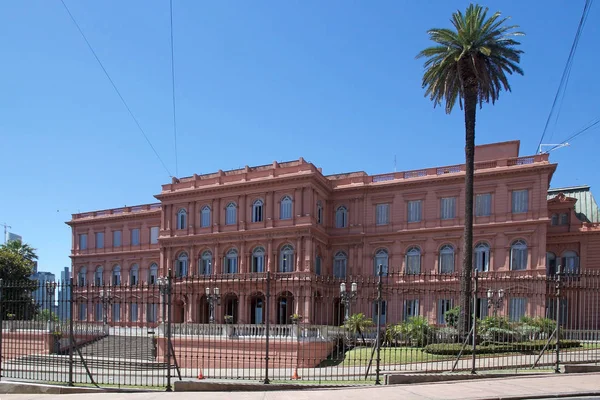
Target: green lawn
390, 355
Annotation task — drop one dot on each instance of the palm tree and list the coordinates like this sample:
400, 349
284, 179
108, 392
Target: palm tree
470, 63
357, 323
22, 249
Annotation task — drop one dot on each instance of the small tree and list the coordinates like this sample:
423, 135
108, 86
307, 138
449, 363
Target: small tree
357, 323
452, 316
46, 315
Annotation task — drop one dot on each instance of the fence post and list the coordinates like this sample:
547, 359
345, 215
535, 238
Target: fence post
558, 283
71, 337
168, 328
378, 334
474, 325
1, 323
267, 326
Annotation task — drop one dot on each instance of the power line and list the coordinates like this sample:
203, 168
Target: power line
567, 70
115, 87
578, 133
173, 87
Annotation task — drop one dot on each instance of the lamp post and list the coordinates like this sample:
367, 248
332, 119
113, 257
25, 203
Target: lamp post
50, 288
495, 298
212, 298
346, 297
164, 286
106, 299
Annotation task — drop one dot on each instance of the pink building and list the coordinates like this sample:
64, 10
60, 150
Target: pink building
311, 231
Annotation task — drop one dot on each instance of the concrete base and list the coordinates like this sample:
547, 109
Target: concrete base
208, 386
407, 379
35, 388
580, 368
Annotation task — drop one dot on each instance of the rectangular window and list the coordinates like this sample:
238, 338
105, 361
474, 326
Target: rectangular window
154, 234
411, 309
339, 268
83, 312
383, 214
483, 205
286, 209
444, 305
116, 312
81, 278
482, 308
83, 241
205, 217
516, 309
414, 211
151, 312
152, 276
318, 266
116, 238
319, 214
520, 201
133, 312
99, 240
230, 215
383, 315
257, 212
551, 310
448, 208
99, 314
135, 237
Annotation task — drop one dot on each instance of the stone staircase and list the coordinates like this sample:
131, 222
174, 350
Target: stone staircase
132, 348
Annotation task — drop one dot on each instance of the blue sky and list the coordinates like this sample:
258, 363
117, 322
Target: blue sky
335, 82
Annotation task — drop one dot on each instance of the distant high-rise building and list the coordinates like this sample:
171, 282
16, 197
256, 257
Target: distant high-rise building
64, 295
44, 294
12, 236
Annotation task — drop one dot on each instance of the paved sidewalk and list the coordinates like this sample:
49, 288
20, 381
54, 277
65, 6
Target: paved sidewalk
505, 388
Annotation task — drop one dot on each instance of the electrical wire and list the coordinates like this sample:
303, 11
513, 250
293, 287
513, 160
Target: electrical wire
578, 133
560, 92
173, 87
115, 88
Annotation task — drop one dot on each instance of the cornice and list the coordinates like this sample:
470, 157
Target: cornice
114, 254
114, 218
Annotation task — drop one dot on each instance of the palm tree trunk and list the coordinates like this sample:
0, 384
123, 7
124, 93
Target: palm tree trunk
470, 98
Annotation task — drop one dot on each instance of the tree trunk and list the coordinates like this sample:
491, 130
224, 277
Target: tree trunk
470, 103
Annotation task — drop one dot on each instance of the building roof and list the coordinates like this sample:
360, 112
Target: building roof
586, 207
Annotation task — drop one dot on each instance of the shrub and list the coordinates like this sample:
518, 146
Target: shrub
416, 329
536, 345
451, 316
446, 335
528, 332
500, 335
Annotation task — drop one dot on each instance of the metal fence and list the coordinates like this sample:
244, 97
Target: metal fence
281, 327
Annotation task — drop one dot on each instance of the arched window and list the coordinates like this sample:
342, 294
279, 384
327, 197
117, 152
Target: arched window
286, 259
340, 262
116, 275
482, 257
518, 255
564, 219
258, 260
231, 214
205, 217
381, 258
134, 275
285, 211
205, 263
413, 261
182, 265
231, 262
554, 220
319, 212
341, 217
570, 262
550, 263
446, 259
181, 219
257, 211
81, 279
153, 274
98, 280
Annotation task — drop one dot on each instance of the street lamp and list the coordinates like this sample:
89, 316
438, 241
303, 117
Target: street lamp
495, 298
106, 299
347, 297
212, 298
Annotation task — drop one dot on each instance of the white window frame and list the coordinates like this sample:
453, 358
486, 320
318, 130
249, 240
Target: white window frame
446, 259
182, 219
481, 257
205, 263
383, 316
443, 306
117, 238
133, 312
153, 274
258, 260
154, 233
116, 312
134, 275
98, 276
286, 259
341, 217
413, 261
116, 275
231, 214
151, 312
205, 217
381, 257
517, 308
414, 210
570, 261
285, 208
340, 265
520, 201
382, 214
411, 309
483, 205
99, 240
135, 237
182, 265
257, 211
231, 262
83, 241
81, 276
447, 208
519, 255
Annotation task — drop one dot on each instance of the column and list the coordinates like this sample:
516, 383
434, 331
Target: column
351, 267
193, 218
243, 257
242, 219
216, 210
270, 207
308, 254
307, 305
243, 314
168, 262
216, 260
270, 255
298, 267
193, 260
188, 307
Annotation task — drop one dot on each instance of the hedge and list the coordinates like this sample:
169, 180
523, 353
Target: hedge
536, 345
